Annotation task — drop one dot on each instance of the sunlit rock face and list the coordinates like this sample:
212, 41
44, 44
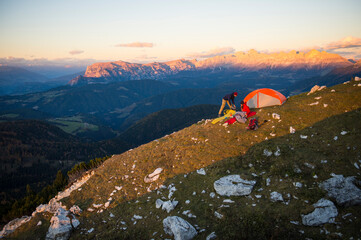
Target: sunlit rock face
239, 61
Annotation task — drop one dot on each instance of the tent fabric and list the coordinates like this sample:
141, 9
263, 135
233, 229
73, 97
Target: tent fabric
264, 97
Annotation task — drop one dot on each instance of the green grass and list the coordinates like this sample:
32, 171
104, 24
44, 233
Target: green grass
234, 150
73, 125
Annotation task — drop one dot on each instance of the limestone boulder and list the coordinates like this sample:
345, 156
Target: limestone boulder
343, 190
61, 225
233, 185
179, 228
325, 212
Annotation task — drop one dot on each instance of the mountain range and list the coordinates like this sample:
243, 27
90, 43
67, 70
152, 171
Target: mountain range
309, 64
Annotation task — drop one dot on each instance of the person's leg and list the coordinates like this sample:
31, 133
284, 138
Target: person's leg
222, 106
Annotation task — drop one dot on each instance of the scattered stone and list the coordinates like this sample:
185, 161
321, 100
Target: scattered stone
313, 89
292, 130
153, 176
136, 217
118, 188
258, 196
218, 215
90, 210
189, 214
315, 103
357, 79
325, 105
276, 197
343, 190
233, 185
309, 165
228, 201
211, 236
111, 215
97, 205
323, 161
179, 228
91, 230
295, 222
14, 224
325, 212
278, 152
268, 181
187, 202
61, 225
356, 165
158, 203
172, 189
343, 133
303, 137
335, 138
297, 184
267, 153
75, 210
39, 223
201, 171
212, 194
169, 205
276, 116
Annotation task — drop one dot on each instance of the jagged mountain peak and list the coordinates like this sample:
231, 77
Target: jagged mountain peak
239, 61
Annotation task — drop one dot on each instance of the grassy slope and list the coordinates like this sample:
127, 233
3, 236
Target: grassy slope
232, 150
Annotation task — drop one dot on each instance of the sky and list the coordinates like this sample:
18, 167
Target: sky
68, 32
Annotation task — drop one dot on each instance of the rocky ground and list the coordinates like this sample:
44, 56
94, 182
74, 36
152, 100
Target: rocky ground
296, 177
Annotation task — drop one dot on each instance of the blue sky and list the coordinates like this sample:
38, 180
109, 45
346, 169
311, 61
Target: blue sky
68, 32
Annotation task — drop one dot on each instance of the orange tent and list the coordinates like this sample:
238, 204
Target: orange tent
264, 97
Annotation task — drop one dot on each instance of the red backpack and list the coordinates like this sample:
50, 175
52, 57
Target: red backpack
253, 124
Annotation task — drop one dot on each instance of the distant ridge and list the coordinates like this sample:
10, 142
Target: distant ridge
239, 61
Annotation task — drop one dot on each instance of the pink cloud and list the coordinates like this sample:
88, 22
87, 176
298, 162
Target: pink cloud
213, 52
135, 45
75, 52
348, 42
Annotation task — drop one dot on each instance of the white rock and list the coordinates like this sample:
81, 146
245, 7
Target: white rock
267, 153
357, 79
309, 165
137, 217
292, 130
297, 184
313, 104
325, 105
211, 236
118, 188
258, 196
343, 190
343, 133
172, 189
91, 230
90, 210
276, 116
233, 185
303, 136
228, 201
179, 228
61, 226
212, 194
39, 223
335, 138
218, 215
111, 215
278, 152
325, 212
313, 89
187, 202
13, 225
201, 171
97, 205
153, 176
158, 203
276, 197
356, 165
268, 181
75, 210
106, 205
169, 205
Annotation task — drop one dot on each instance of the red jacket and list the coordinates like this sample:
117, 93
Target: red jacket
245, 108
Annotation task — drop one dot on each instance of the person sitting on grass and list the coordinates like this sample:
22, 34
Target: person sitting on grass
246, 109
225, 100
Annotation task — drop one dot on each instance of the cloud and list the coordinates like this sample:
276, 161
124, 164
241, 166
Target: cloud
75, 52
348, 42
135, 45
213, 52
